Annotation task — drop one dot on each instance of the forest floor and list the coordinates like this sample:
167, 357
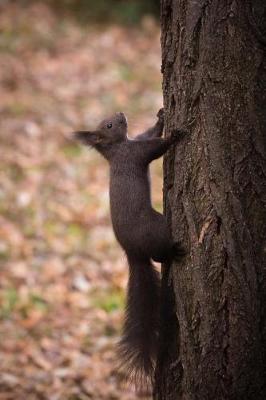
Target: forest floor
62, 275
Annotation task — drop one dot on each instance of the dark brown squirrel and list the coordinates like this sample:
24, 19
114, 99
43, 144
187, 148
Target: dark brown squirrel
141, 231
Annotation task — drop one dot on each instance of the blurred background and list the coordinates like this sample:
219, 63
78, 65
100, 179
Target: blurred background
65, 65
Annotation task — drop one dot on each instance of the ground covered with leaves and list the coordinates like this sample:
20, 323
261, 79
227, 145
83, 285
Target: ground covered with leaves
62, 275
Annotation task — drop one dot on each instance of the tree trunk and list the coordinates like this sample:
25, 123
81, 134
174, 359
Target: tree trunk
213, 333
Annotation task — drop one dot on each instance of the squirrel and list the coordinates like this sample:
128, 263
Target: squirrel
142, 232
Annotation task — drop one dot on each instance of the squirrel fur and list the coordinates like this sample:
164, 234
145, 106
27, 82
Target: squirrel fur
141, 231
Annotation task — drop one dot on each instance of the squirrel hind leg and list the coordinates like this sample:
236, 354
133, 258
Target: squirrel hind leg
174, 252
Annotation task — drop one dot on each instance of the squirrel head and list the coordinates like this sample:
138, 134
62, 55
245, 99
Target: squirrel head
111, 130
114, 126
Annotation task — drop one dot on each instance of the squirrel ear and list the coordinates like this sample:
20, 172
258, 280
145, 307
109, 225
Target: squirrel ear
82, 136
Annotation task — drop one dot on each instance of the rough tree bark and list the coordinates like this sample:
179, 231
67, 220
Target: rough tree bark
213, 334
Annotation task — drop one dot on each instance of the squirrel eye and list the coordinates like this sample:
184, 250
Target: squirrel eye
109, 125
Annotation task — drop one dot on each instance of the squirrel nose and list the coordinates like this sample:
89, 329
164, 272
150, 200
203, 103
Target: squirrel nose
122, 117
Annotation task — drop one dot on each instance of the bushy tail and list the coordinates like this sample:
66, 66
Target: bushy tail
138, 345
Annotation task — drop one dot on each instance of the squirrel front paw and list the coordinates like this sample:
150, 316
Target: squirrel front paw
160, 114
177, 135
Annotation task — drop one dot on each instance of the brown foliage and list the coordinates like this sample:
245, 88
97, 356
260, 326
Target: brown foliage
62, 275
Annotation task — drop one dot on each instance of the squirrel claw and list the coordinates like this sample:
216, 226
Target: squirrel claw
160, 114
178, 134
178, 251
